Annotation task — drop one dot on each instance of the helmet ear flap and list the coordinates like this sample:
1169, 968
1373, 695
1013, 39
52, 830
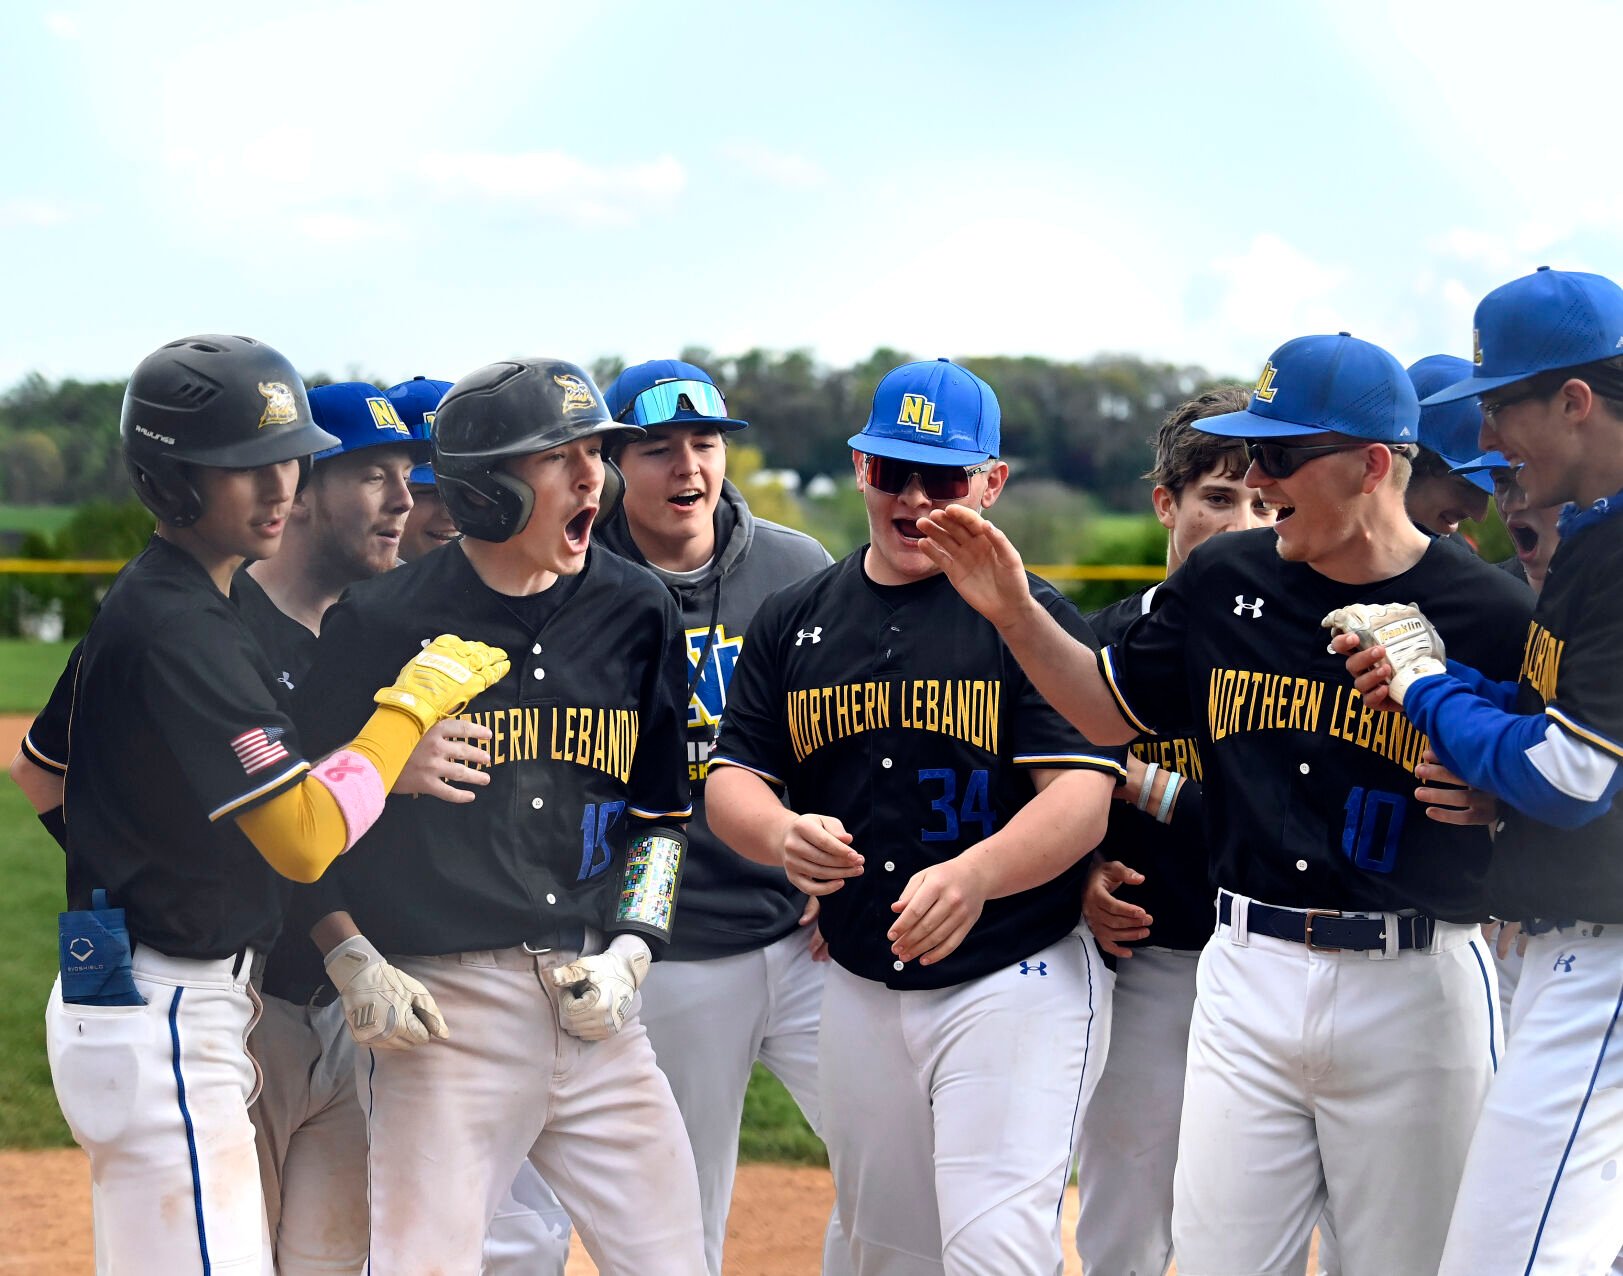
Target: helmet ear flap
306, 465
173, 497
490, 506
614, 487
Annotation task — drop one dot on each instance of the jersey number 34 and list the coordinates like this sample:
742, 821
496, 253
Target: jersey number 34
976, 807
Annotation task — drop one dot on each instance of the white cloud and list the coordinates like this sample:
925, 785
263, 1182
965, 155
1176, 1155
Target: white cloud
558, 183
64, 26
340, 228
780, 168
1273, 291
33, 212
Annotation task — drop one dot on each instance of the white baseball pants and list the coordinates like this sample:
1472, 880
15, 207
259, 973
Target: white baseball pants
709, 1021
451, 1122
1343, 1076
1543, 1186
158, 1096
949, 1114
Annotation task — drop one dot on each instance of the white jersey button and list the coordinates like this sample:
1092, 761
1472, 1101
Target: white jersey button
536, 650
540, 673
1301, 866
899, 965
552, 899
886, 763
537, 803
1499, 826
1304, 768
890, 866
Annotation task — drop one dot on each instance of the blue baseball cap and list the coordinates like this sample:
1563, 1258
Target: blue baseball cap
416, 401
1449, 429
1484, 464
668, 392
935, 413
362, 416
1547, 320
1326, 385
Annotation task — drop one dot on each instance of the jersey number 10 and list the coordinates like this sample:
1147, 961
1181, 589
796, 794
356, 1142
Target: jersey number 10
1374, 824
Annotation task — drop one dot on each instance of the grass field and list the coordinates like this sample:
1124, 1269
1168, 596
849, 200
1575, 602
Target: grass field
31, 867
34, 518
28, 671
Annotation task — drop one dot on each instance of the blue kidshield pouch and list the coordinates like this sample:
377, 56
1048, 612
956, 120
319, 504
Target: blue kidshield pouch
94, 946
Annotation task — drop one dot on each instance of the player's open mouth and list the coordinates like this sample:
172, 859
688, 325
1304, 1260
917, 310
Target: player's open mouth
688, 499
1526, 538
1282, 512
578, 530
270, 526
907, 529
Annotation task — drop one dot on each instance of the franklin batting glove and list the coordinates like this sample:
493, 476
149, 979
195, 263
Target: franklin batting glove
1414, 648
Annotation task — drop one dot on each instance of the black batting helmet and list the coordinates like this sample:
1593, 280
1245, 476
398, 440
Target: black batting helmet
512, 409
228, 402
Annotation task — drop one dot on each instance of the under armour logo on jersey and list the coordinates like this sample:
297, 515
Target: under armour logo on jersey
81, 949
1034, 968
1252, 608
286, 679
1563, 963
815, 633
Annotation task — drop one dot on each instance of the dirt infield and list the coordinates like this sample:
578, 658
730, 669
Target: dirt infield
776, 1227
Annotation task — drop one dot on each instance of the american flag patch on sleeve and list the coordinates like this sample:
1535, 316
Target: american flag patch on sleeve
259, 748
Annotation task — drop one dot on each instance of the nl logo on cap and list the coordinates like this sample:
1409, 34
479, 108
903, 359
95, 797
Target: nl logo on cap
1264, 389
385, 417
919, 412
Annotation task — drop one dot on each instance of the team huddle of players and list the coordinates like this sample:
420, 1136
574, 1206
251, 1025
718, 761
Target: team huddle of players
463, 791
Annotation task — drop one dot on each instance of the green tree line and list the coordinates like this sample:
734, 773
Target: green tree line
1085, 425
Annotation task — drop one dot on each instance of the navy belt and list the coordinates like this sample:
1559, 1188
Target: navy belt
1544, 925
1326, 930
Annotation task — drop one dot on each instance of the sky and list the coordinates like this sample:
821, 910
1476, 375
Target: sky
397, 188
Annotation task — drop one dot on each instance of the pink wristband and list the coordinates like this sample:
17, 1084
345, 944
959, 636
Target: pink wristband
357, 788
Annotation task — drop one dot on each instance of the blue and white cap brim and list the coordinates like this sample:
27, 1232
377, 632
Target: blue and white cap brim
923, 453
1246, 424
1472, 385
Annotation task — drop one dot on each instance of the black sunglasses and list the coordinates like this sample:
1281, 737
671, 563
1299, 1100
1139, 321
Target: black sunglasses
940, 482
1493, 407
1281, 460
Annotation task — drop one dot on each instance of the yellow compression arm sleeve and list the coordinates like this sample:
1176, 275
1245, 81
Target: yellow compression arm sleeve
301, 831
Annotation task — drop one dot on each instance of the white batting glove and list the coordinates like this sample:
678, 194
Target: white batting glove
386, 1009
1414, 648
595, 992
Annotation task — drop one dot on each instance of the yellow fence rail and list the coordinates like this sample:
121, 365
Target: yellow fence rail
1048, 571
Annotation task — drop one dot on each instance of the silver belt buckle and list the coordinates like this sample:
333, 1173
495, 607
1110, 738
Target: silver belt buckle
1307, 937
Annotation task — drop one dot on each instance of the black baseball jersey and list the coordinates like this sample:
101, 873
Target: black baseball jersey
1571, 673
178, 726
588, 736
1309, 795
46, 742
1177, 890
729, 904
293, 969
898, 710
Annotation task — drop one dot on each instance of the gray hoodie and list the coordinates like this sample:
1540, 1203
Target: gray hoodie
728, 904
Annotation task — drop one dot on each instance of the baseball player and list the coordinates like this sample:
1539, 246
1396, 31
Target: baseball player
344, 525
1147, 899
529, 1233
1343, 991
1541, 1191
1441, 495
429, 525
739, 982
186, 796
940, 811
530, 913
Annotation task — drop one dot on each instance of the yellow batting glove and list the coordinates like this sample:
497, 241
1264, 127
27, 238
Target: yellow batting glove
439, 681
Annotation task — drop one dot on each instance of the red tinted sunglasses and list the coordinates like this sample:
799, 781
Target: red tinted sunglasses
940, 482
